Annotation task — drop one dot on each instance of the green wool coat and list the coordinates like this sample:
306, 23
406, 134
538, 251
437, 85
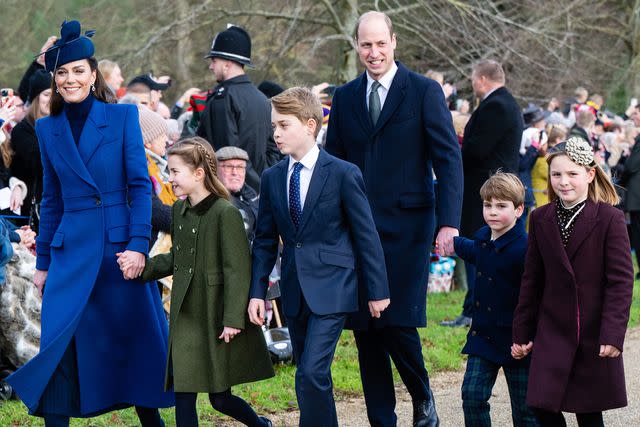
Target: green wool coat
211, 266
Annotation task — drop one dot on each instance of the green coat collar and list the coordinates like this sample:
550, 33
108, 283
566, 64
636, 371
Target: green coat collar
200, 208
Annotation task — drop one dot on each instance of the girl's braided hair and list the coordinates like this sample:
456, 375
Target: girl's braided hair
197, 153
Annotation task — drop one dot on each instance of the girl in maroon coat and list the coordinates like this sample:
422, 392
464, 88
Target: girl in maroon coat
576, 293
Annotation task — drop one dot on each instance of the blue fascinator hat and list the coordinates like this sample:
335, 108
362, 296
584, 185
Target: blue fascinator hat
70, 46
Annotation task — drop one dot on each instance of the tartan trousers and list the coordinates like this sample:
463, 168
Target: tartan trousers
479, 379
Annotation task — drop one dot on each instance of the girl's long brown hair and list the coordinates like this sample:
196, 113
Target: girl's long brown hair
102, 92
198, 153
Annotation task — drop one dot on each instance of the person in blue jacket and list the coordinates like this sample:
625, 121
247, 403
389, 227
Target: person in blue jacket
497, 252
104, 339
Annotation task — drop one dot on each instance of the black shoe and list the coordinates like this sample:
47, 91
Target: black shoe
424, 414
266, 421
458, 322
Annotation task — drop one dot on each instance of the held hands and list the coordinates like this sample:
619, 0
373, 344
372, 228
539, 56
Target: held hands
27, 237
228, 333
444, 241
607, 350
377, 307
39, 278
131, 263
520, 351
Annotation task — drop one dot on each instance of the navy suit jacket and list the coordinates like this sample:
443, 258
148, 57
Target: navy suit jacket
413, 137
499, 265
336, 236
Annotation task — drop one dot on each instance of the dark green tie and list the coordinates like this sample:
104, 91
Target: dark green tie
374, 102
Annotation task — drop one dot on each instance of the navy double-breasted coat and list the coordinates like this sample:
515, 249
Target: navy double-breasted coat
96, 202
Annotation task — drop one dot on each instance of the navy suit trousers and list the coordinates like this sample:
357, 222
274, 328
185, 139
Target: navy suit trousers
314, 338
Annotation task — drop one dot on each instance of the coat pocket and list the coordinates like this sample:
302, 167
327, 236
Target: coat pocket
57, 240
339, 259
416, 200
119, 234
215, 279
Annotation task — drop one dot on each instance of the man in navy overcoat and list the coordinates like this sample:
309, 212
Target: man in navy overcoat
398, 133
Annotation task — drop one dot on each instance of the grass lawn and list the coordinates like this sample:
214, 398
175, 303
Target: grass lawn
441, 348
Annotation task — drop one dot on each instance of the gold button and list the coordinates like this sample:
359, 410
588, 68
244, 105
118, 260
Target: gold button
193, 230
178, 248
190, 270
180, 227
193, 251
175, 267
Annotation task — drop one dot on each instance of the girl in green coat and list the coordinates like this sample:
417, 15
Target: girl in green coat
212, 345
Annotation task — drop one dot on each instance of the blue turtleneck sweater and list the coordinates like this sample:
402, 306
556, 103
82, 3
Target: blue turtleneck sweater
77, 113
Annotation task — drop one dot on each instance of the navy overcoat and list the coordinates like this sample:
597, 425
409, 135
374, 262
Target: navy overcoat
97, 202
572, 301
412, 138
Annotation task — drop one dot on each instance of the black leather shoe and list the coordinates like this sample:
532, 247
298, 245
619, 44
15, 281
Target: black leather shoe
266, 421
424, 414
458, 322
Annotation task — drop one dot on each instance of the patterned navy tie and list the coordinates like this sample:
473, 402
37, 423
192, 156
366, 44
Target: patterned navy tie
295, 206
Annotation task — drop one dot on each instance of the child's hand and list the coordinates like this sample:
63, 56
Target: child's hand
256, 311
607, 350
228, 333
519, 351
377, 307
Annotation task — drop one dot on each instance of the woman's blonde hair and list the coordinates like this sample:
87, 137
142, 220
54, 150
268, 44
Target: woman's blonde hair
196, 152
601, 189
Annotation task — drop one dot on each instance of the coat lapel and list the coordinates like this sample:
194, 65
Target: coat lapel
396, 94
66, 147
551, 233
360, 104
91, 136
316, 185
281, 193
585, 222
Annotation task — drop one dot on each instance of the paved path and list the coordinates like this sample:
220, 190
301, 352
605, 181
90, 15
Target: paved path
446, 387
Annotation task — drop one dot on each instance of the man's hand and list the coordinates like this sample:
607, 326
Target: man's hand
444, 241
607, 350
184, 99
519, 351
228, 333
39, 278
256, 311
377, 307
50, 41
131, 263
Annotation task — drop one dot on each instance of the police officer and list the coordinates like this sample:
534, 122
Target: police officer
237, 113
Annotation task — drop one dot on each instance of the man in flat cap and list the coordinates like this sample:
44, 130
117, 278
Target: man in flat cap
232, 169
237, 113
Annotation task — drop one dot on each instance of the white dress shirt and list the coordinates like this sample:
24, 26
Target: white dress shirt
309, 163
385, 82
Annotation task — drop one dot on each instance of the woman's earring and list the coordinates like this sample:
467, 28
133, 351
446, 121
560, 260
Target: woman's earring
57, 91
93, 87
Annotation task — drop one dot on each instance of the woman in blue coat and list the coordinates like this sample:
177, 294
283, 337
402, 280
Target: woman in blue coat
104, 338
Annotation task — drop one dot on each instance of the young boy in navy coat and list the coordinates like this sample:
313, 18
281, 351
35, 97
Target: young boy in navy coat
498, 252
317, 204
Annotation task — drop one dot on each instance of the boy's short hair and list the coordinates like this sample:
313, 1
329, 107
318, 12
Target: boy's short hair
299, 102
503, 186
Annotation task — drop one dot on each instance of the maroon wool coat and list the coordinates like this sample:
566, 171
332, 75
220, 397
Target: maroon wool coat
571, 302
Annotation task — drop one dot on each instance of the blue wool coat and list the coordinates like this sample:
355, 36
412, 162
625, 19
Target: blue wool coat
96, 202
499, 265
412, 138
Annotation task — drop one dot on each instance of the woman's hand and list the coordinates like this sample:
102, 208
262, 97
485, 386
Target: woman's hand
131, 263
50, 41
607, 350
228, 333
16, 200
39, 278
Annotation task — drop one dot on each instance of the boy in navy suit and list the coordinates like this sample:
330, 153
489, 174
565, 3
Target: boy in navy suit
317, 204
498, 252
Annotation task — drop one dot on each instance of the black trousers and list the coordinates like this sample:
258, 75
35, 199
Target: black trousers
225, 402
376, 349
556, 419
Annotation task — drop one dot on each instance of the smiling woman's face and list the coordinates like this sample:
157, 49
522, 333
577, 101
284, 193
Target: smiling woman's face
74, 80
